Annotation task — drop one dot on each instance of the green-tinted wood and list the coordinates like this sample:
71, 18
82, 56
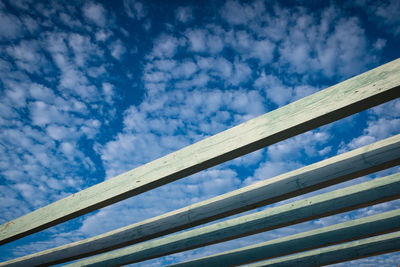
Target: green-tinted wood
345, 252
349, 165
361, 195
361, 92
352, 230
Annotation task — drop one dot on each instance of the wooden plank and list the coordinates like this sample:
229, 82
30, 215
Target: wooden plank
351, 230
343, 167
360, 195
340, 253
361, 92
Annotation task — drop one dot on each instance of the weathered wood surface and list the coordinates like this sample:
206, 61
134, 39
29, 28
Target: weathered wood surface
351, 230
360, 195
358, 93
345, 252
364, 160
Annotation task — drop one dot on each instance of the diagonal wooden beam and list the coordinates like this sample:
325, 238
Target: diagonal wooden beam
368, 247
351, 230
356, 163
346, 98
360, 195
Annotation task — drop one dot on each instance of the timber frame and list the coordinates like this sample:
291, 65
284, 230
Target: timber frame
361, 92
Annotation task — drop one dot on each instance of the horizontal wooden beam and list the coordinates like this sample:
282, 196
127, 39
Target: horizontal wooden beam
362, 161
346, 98
368, 247
360, 195
351, 230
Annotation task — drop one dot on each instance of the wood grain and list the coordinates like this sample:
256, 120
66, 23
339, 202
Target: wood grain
356, 163
351, 96
351, 230
345, 252
360, 195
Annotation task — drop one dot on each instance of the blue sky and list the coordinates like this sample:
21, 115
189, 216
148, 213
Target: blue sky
90, 89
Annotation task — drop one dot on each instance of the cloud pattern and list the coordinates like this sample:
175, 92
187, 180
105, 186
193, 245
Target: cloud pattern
89, 91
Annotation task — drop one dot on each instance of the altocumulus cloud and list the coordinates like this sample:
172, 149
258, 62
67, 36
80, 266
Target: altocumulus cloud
91, 89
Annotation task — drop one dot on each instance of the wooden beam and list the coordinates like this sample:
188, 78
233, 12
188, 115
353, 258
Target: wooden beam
364, 160
361, 92
351, 230
340, 253
360, 195
346, 98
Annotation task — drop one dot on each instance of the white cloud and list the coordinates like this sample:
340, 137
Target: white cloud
280, 93
95, 13
61, 132
274, 89
263, 50
184, 70
214, 43
308, 44
390, 15
188, 191
42, 93
380, 44
376, 130
383, 128
276, 25
147, 25
27, 56
325, 151
102, 35
163, 65
135, 9
167, 114
351, 43
10, 204
117, 49
30, 193
22, 4
286, 155
357, 142
301, 91
242, 73
202, 40
389, 110
109, 92
69, 21
219, 67
10, 26
34, 154
73, 80
249, 47
197, 40
382, 123
198, 81
165, 47
96, 71
83, 49
192, 83
294, 147
90, 128
270, 169
236, 13
16, 93
383, 13
68, 149
43, 114
156, 77
184, 14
